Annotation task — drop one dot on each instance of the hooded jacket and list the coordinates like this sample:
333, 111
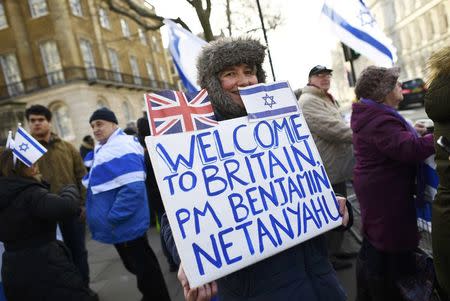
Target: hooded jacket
437, 106
333, 137
386, 155
35, 265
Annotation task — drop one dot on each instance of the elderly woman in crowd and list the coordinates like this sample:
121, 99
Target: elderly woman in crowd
388, 152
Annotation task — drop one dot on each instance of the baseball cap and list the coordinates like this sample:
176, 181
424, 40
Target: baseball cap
319, 69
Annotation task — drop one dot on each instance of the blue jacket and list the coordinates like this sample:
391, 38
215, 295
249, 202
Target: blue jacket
118, 215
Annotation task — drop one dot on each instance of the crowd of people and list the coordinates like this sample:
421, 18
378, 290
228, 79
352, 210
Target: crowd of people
110, 185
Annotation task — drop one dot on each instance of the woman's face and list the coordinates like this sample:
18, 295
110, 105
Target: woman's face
395, 96
231, 78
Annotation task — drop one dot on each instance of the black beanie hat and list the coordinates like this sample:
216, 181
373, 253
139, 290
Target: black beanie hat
104, 114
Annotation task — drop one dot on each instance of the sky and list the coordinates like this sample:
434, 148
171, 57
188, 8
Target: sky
300, 43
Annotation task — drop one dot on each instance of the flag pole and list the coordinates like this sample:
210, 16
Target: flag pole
265, 38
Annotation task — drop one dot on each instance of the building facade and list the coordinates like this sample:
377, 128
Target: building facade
75, 56
417, 28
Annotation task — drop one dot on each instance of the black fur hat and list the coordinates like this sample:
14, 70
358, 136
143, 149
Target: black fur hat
223, 53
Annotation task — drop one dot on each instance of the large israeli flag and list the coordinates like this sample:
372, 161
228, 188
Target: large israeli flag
268, 101
184, 48
26, 148
355, 26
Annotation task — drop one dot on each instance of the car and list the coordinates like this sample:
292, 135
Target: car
413, 92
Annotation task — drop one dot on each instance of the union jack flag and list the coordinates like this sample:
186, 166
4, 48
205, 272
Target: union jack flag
172, 112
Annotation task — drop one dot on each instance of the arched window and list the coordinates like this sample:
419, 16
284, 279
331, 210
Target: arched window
61, 121
101, 103
127, 112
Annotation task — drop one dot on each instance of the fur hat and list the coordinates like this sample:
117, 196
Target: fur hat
104, 114
376, 82
223, 53
439, 64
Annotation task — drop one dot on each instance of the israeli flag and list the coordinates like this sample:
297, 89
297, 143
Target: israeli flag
268, 101
118, 162
355, 26
185, 48
431, 185
26, 148
10, 141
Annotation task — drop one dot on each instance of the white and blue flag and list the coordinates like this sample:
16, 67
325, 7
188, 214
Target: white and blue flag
184, 48
10, 141
355, 26
268, 101
118, 162
26, 148
431, 185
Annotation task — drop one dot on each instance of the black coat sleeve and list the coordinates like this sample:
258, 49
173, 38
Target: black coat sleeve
47, 205
167, 237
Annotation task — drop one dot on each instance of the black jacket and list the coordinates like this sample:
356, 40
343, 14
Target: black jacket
35, 265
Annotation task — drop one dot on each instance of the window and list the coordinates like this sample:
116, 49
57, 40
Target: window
135, 70
104, 20
88, 59
127, 111
62, 121
155, 44
11, 74
38, 8
3, 22
52, 63
125, 28
163, 74
75, 6
151, 73
142, 36
115, 67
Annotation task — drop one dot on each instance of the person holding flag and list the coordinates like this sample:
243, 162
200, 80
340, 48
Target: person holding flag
117, 207
302, 272
36, 266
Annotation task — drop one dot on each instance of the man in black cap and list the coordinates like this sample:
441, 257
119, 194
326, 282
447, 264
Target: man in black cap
116, 205
333, 138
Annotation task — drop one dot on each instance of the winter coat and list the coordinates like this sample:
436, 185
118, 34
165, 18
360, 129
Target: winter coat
62, 165
35, 265
333, 137
437, 106
387, 154
118, 215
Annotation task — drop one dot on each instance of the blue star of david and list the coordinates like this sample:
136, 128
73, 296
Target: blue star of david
365, 17
24, 147
268, 100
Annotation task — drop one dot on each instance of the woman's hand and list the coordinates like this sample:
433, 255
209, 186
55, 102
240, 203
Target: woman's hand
202, 293
420, 128
343, 211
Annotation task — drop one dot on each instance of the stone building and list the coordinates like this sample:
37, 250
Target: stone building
75, 56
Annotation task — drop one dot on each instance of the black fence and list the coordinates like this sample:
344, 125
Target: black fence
90, 75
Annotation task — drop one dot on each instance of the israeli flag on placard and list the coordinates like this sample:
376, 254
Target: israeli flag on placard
185, 48
118, 162
26, 148
355, 26
268, 101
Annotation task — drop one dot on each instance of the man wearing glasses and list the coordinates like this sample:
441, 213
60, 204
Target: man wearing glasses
333, 138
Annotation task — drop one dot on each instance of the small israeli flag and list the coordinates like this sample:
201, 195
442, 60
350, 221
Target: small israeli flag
10, 141
355, 26
269, 101
26, 148
185, 48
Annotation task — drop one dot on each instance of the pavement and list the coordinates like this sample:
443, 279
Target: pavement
113, 282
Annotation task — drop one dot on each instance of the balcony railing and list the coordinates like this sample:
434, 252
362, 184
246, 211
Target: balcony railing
91, 75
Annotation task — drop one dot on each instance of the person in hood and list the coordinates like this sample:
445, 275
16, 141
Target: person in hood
302, 272
388, 152
437, 106
35, 265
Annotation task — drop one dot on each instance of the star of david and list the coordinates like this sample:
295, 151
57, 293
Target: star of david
268, 100
365, 17
24, 147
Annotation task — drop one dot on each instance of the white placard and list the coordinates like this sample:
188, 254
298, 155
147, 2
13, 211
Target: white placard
240, 192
